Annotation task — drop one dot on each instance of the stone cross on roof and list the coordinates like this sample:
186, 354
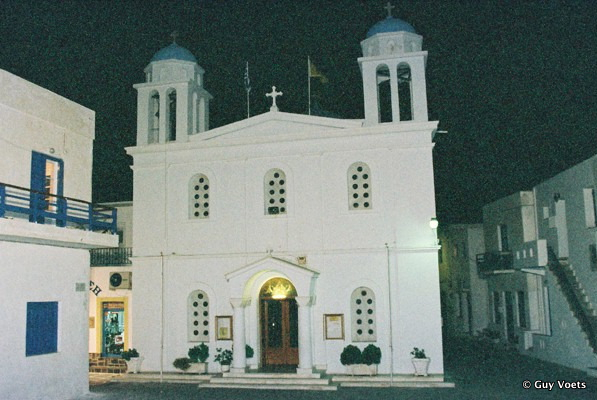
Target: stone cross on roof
273, 95
174, 35
389, 7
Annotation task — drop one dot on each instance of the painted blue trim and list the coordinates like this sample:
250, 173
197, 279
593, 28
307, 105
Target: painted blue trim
42, 328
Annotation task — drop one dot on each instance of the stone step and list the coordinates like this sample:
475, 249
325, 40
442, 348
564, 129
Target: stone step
260, 375
270, 381
430, 381
266, 387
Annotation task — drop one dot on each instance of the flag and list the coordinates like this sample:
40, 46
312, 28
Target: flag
314, 73
247, 80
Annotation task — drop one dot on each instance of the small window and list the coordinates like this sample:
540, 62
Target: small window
593, 257
359, 187
198, 316
497, 315
503, 238
589, 197
363, 311
522, 309
199, 200
42, 328
274, 187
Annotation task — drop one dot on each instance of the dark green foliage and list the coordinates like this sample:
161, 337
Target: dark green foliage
249, 352
182, 363
371, 355
130, 353
351, 355
199, 353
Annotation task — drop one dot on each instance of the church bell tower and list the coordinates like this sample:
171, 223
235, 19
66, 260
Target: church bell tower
172, 102
393, 69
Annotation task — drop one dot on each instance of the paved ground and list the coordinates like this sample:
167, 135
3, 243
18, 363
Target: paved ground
478, 370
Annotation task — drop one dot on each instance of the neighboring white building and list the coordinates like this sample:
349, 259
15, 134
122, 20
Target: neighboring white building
110, 291
541, 268
464, 292
46, 228
267, 230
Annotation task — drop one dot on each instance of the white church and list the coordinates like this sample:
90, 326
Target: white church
294, 234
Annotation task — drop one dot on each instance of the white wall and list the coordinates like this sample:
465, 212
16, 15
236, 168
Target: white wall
35, 119
33, 273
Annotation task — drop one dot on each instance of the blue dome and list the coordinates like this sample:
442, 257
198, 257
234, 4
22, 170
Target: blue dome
390, 24
174, 52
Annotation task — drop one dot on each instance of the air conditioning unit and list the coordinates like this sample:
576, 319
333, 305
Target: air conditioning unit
121, 280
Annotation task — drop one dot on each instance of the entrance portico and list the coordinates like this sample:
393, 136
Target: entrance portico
245, 285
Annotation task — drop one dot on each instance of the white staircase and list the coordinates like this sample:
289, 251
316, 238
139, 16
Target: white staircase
269, 381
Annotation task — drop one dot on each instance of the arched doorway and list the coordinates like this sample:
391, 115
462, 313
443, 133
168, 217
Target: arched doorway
279, 323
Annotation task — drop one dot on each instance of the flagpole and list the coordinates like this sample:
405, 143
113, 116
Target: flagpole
248, 89
309, 81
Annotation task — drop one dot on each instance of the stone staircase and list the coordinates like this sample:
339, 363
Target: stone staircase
106, 365
576, 296
269, 381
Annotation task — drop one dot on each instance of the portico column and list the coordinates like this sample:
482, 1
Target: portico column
304, 335
239, 359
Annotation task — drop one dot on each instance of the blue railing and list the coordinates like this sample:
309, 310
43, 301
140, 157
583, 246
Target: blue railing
45, 208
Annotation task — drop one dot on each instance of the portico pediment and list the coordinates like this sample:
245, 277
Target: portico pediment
246, 281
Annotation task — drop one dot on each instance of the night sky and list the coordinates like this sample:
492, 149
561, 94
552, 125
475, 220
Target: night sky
513, 82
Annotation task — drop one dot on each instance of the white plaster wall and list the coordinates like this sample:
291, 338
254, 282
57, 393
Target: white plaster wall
35, 119
32, 273
567, 344
512, 211
346, 248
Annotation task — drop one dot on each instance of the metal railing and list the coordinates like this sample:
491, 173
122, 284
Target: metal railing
493, 261
111, 257
45, 208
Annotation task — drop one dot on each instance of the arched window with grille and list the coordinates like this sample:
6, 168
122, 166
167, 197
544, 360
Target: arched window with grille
154, 118
199, 200
274, 188
363, 315
359, 187
198, 316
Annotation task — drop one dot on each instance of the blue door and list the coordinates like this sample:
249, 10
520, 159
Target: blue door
47, 174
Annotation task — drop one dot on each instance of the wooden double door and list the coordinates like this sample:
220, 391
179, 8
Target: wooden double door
279, 332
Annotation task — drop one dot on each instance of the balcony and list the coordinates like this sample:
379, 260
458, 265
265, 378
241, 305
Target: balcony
490, 262
30, 216
111, 257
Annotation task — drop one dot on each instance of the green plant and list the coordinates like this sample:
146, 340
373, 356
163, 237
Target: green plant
199, 353
130, 353
371, 355
418, 353
182, 363
249, 352
351, 355
224, 357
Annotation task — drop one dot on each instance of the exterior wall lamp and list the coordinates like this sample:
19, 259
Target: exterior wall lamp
433, 223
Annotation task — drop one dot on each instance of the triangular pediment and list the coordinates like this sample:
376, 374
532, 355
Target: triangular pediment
246, 280
276, 125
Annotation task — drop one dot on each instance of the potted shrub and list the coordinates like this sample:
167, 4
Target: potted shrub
224, 357
198, 355
182, 364
133, 360
249, 352
361, 363
420, 361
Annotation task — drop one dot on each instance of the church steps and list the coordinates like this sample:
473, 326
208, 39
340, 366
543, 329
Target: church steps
266, 387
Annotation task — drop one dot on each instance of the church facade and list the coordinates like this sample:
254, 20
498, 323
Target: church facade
294, 234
